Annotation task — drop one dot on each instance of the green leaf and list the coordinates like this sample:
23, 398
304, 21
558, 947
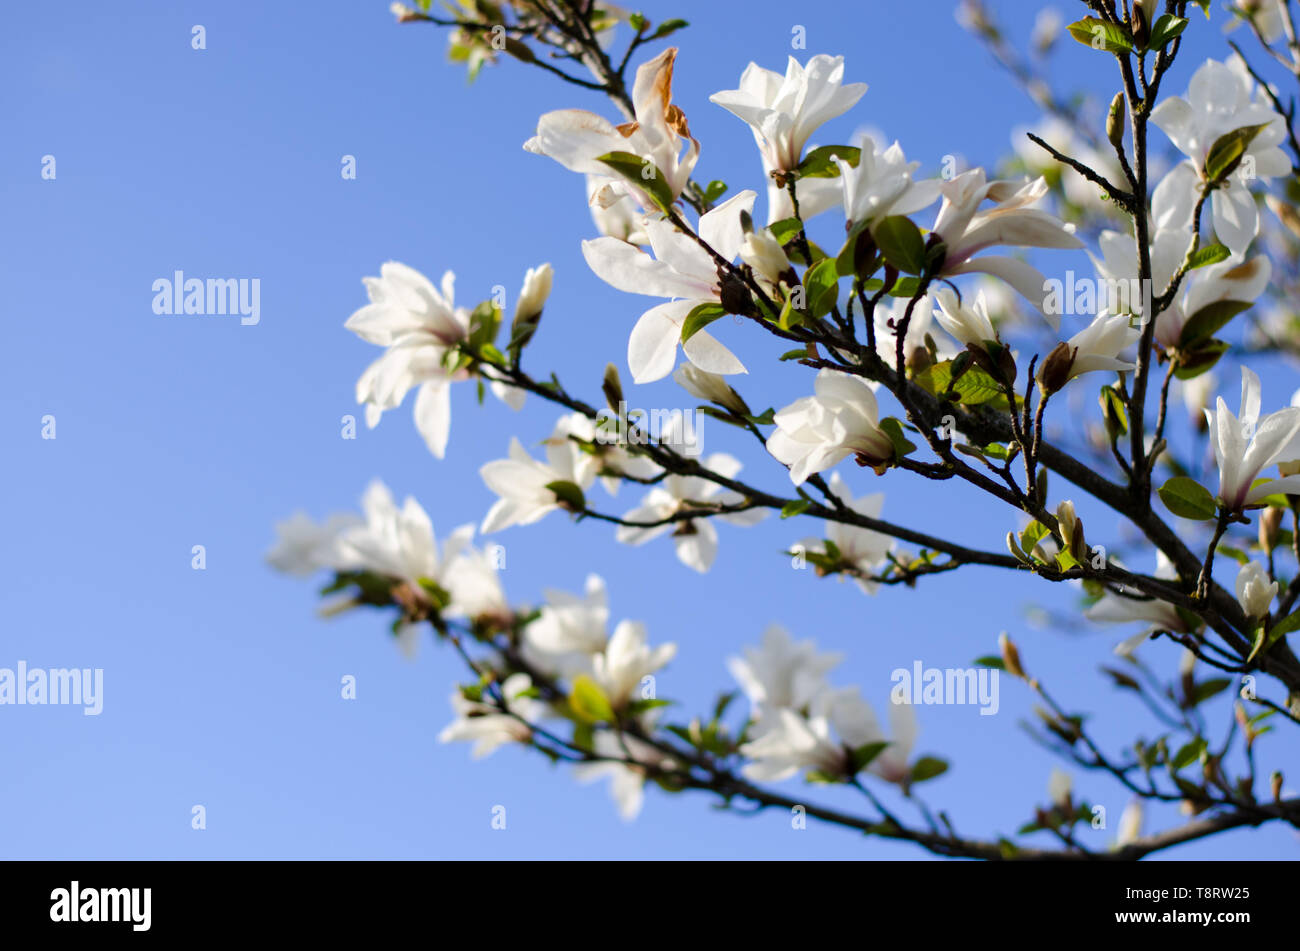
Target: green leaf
1279, 630
1205, 7
641, 706
1188, 754
800, 354
570, 494
713, 191
900, 241
1164, 30
1210, 254
1101, 35
1202, 359
589, 702
863, 755
1204, 691
699, 318
818, 164
989, 660
785, 229
1187, 498
1228, 149
642, 173
1209, 320
927, 767
894, 430
973, 388
797, 507
637, 21
821, 285
668, 26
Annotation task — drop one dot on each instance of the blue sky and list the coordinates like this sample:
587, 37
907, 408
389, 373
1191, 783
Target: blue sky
221, 685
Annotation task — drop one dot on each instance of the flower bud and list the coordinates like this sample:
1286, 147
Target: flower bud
1255, 592
1275, 785
537, 288
1054, 372
1010, 656
1058, 788
1115, 121
1270, 524
711, 387
612, 387
762, 252
1130, 823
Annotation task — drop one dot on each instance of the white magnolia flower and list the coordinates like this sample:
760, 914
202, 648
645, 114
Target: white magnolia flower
473, 580
399, 543
484, 725
1130, 824
418, 324
576, 138
303, 547
780, 674
783, 112
857, 725
521, 481
696, 539
570, 628
841, 419
971, 324
792, 743
762, 252
1221, 98
682, 270
614, 212
533, 295
625, 660
1229, 280
1155, 615
892, 312
1246, 446
860, 547
1095, 347
1266, 15
626, 780
1012, 222
1059, 786
1118, 264
1255, 593
882, 184
708, 386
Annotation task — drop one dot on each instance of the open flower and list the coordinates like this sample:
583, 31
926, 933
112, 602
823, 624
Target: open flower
1095, 347
1012, 222
841, 419
626, 780
626, 659
576, 138
1230, 280
783, 112
521, 481
1246, 446
971, 325
1220, 99
570, 629
614, 212
780, 674
303, 546
399, 542
682, 270
486, 726
858, 547
696, 539
888, 317
882, 185
418, 324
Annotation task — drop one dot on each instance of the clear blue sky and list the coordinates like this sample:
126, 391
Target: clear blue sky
221, 686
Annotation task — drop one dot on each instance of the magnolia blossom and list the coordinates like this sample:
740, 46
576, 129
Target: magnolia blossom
484, 725
626, 659
696, 539
971, 325
762, 252
888, 317
709, 386
682, 270
859, 547
1012, 222
1130, 824
532, 296
614, 212
399, 543
841, 419
576, 138
521, 481
303, 546
780, 674
419, 325
783, 112
882, 185
1230, 280
794, 742
1118, 264
1255, 592
1246, 446
1095, 347
570, 629
626, 780
1155, 615
892, 763
1221, 98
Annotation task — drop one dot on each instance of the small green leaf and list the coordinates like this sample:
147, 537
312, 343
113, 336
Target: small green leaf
821, 286
900, 241
570, 494
927, 767
863, 755
1278, 631
818, 164
800, 354
1188, 754
589, 702
699, 318
1210, 254
713, 191
1202, 359
1228, 149
785, 229
1187, 498
894, 430
1164, 30
642, 173
1101, 35
797, 507
668, 26
989, 660
1204, 691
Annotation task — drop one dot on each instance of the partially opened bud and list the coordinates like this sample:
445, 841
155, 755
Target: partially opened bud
1058, 788
1010, 656
1115, 121
709, 386
1275, 785
761, 251
1054, 372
